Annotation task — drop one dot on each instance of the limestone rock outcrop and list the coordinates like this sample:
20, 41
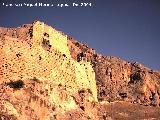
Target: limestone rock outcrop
120, 80
47, 75
38, 56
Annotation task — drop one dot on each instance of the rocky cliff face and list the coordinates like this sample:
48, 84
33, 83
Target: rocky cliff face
117, 79
45, 75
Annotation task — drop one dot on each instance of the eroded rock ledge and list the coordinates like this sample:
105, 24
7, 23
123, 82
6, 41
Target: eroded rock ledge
45, 74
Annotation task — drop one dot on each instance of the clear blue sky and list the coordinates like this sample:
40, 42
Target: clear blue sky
129, 29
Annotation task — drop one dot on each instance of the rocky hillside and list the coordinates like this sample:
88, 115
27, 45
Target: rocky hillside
47, 75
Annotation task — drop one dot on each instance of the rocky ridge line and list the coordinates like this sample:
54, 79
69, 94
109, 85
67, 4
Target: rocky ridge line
46, 74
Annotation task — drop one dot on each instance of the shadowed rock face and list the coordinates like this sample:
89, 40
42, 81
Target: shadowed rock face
117, 79
45, 74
